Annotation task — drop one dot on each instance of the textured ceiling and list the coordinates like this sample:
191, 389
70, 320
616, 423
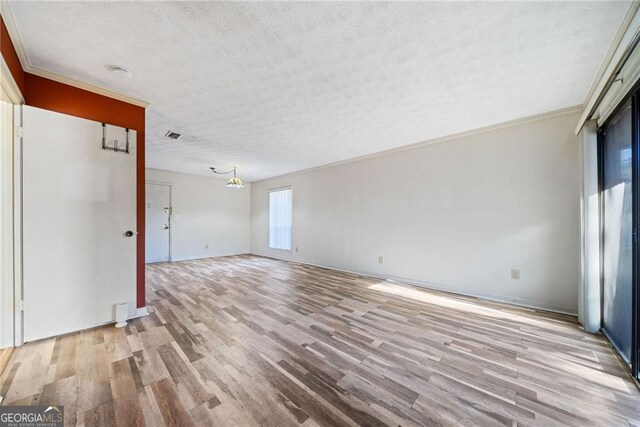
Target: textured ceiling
279, 87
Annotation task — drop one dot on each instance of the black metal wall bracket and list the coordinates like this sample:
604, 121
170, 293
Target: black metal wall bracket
115, 142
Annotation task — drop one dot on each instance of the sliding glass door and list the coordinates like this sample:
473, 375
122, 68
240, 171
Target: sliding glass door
617, 195
619, 150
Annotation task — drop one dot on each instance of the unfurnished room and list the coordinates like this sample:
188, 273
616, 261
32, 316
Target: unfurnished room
319, 213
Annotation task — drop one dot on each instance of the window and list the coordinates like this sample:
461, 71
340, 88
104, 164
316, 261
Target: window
280, 219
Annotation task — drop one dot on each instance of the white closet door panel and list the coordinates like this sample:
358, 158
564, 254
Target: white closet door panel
78, 202
157, 222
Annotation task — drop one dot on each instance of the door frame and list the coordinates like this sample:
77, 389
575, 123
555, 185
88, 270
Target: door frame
11, 221
170, 185
635, 293
634, 359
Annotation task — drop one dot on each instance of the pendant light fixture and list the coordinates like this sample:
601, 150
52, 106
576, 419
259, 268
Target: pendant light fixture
234, 182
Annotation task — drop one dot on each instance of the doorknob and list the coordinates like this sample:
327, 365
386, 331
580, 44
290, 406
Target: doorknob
128, 233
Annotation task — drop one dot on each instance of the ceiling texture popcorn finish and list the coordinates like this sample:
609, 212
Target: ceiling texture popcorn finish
279, 87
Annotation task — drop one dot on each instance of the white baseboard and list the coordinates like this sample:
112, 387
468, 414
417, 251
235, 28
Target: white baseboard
521, 302
155, 261
191, 258
140, 312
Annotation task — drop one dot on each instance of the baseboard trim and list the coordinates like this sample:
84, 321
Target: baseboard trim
520, 302
192, 258
140, 312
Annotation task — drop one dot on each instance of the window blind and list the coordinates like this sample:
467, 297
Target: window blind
280, 219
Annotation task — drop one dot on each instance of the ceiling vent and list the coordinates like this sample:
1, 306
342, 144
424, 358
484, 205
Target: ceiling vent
172, 135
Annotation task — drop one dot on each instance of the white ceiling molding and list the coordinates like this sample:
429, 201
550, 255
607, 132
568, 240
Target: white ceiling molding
90, 88
8, 83
7, 17
618, 73
9, 22
510, 123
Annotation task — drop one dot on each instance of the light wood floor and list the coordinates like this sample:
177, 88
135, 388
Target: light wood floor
5, 355
253, 341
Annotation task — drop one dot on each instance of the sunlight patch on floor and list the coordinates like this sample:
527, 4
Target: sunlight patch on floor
453, 303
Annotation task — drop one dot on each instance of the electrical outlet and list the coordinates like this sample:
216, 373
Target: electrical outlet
515, 274
206, 246
296, 249
380, 259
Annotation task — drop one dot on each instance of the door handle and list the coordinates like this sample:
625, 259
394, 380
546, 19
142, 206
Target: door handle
128, 233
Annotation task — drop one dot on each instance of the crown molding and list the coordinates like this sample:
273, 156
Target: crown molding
507, 124
10, 23
85, 86
8, 83
7, 17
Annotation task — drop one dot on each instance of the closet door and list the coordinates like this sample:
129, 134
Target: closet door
79, 201
617, 226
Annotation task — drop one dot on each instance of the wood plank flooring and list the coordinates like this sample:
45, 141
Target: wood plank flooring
246, 340
5, 355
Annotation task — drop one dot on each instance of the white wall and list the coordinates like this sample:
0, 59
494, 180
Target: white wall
457, 215
205, 212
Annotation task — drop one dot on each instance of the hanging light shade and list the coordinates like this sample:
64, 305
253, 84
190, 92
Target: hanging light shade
234, 182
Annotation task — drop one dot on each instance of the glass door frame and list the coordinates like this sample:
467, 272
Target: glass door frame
634, 95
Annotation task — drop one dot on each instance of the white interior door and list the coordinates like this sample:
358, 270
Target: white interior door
78, 203
158, 223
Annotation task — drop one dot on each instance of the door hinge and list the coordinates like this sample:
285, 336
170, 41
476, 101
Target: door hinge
20, 305
19, 131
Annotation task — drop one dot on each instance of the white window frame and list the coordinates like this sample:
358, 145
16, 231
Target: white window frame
274, 190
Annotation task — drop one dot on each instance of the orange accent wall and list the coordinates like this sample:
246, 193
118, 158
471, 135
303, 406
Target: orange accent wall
11, 57
54, 96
